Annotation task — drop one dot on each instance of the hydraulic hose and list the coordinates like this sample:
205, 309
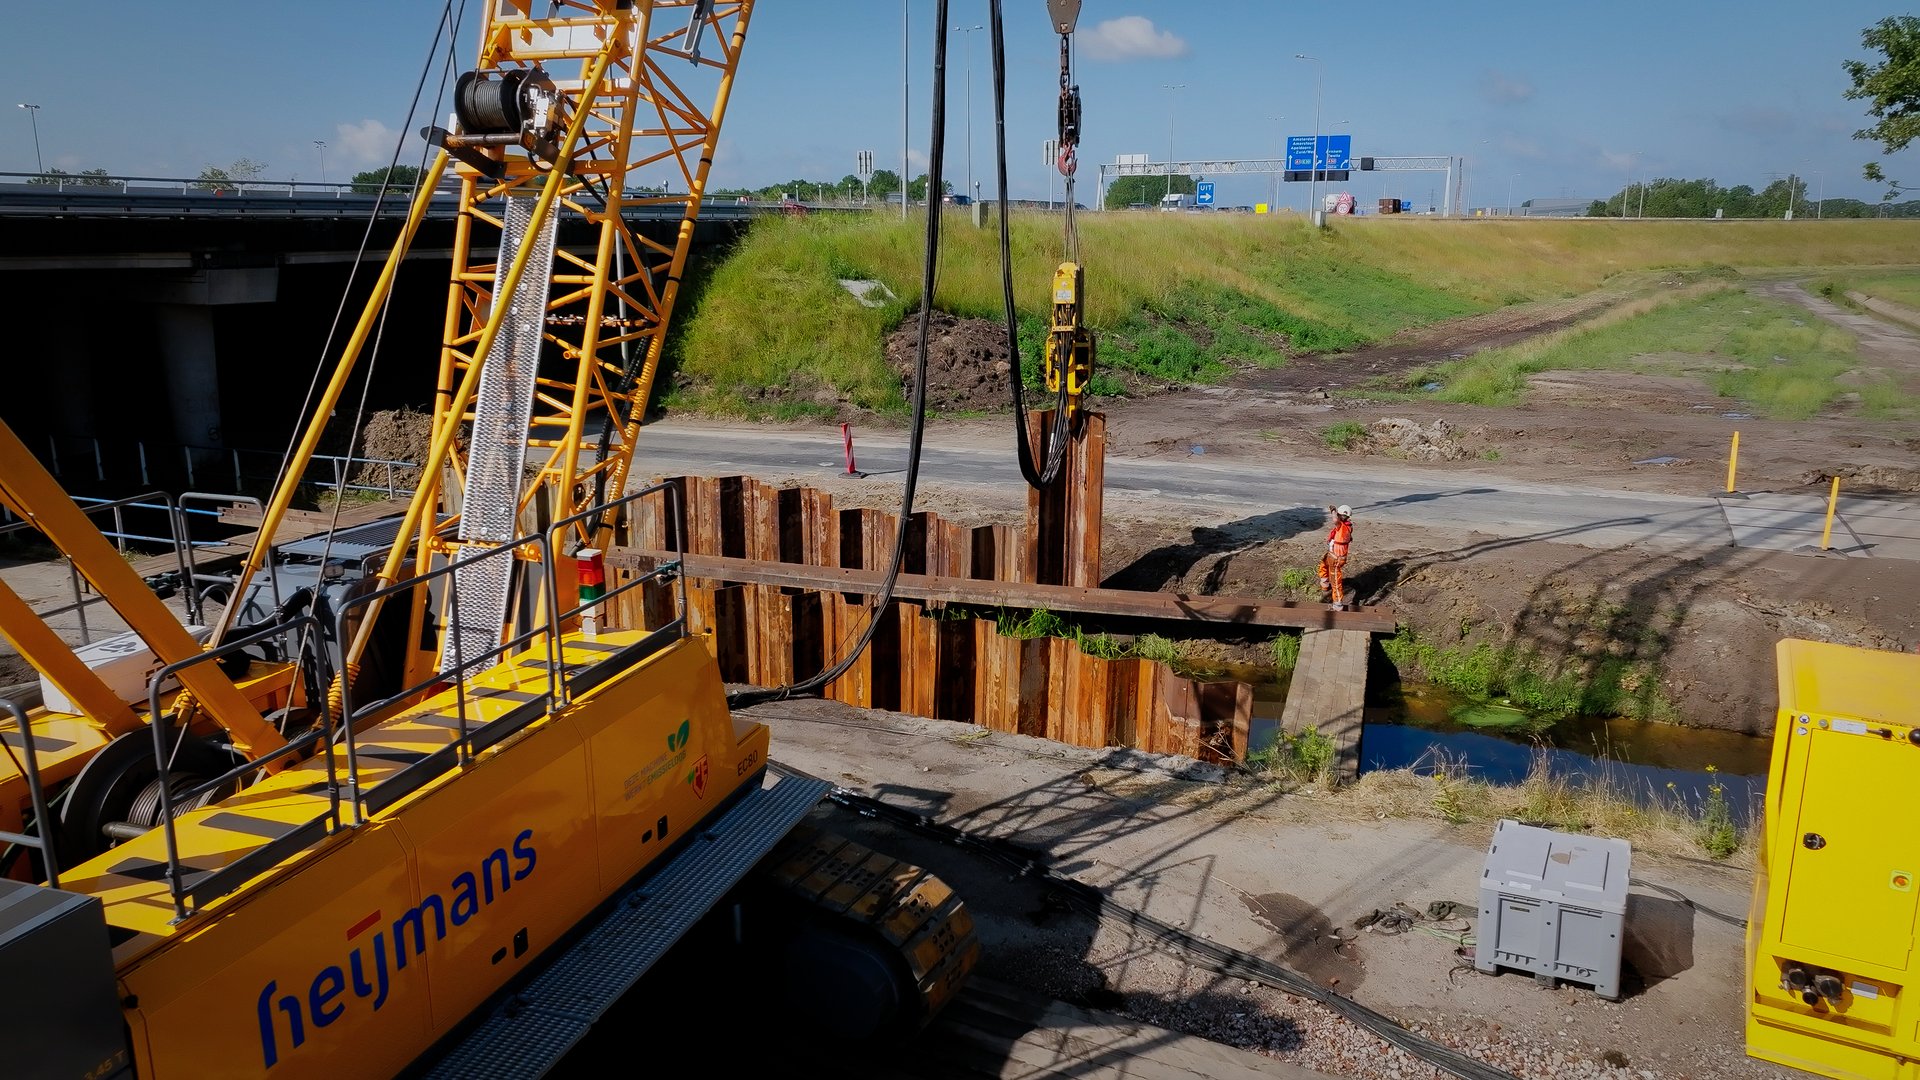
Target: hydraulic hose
929, 267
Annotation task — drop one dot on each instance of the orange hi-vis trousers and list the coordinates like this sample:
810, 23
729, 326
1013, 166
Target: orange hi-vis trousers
1333, 572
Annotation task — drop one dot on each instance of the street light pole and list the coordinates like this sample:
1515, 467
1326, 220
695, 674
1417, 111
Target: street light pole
1511, 177
321, 145
1171, 108
1633, 161
1313, 181
904, 138
1819, 207
1790, 193
33, 115
1280, 140
969, 31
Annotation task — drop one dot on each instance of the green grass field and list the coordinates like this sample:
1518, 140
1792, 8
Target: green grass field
1773, 356
1174, 297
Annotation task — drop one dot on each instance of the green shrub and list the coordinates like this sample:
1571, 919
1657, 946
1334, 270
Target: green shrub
1157, 648
1297, 581
1343, 435
1104, 646
1718, 836
1312, 753
1286, 651
1037, 623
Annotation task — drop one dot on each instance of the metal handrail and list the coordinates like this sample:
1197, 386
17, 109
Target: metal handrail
464, 741
35, 792
161, 755
194, 576
411, 776
61, 181
175, 522
679, 544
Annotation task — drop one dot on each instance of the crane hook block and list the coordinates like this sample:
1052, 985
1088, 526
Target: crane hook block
1064, 13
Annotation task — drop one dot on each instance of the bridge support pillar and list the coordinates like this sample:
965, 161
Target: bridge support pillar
184, 307
190, 361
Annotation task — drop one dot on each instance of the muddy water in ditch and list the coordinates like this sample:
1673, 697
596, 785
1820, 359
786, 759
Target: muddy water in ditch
1424, 725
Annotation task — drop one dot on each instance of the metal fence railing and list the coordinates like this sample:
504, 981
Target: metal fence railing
176, 537
105, 461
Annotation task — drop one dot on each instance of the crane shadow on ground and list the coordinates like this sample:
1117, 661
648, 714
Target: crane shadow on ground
1162, 566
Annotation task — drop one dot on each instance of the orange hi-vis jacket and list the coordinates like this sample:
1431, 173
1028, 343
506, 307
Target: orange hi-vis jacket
1338, 539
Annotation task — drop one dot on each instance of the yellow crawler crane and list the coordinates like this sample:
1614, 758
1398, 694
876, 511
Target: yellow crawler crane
355, 872
1832, 972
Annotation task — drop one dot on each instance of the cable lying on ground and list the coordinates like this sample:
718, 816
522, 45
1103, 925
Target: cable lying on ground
1029, 862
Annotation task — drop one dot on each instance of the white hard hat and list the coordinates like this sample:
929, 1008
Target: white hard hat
1344, 510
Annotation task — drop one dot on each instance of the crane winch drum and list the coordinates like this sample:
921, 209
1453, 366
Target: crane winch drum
510, 106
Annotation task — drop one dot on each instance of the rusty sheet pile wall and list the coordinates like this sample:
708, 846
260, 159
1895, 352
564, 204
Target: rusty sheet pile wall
926, 659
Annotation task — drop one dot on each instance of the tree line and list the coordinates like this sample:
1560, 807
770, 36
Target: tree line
1672, 197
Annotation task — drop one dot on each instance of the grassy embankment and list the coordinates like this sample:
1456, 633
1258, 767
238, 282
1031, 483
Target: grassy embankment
1900, 288
1652, 821
1175, 298
1771, 355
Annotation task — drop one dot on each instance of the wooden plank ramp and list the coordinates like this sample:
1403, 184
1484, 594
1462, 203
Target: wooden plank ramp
1328, 693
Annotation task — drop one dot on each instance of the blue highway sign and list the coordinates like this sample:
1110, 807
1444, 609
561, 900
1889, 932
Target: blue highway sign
1336, 152
1203, 193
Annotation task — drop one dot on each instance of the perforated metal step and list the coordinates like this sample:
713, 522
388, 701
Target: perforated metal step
502, 412
534, 1029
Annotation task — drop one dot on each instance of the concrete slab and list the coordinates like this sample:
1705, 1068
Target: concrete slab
1790, 523
1272, 874
1890, 528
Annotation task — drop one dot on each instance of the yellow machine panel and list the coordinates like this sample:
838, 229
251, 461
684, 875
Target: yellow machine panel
1831, 934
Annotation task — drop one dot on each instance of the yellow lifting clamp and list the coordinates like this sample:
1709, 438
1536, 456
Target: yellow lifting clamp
1069, 338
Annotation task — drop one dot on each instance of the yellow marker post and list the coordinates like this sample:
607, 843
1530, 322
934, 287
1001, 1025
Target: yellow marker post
1833, 499
1733, 461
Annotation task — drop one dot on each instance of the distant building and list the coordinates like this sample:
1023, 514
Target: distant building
1553, 208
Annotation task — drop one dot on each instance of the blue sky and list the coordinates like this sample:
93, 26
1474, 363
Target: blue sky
1545, 100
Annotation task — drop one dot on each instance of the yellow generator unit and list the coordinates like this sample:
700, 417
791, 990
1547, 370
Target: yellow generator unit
1832, 975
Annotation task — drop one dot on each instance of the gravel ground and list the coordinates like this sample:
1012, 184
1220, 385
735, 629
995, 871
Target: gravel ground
1124, 974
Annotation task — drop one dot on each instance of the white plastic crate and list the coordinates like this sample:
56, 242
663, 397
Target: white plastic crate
1554, 905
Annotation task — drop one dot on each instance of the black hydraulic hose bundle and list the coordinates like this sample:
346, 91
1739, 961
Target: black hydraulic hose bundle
1056, 438
936, 159
1212, 955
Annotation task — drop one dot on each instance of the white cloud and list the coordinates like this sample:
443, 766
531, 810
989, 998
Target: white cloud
1502, 89
1132, 37
362, 146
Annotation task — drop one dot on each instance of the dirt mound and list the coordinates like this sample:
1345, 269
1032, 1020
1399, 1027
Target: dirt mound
1403, 438
392, 435
1867, 477
967, 362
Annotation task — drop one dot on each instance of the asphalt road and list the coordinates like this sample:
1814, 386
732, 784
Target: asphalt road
1594, 517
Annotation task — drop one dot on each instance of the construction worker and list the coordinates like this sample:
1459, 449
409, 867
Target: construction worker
1333, 565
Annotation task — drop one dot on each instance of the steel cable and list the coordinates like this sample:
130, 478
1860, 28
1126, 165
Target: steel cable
1055, 440
929, 269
